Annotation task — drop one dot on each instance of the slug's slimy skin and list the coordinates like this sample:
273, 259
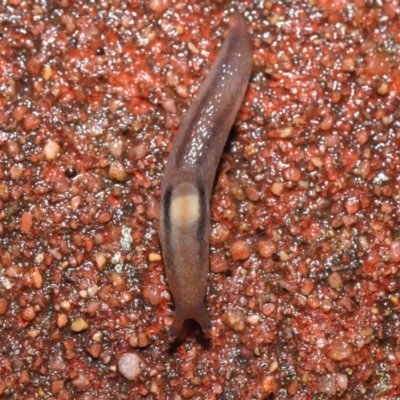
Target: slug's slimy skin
189, 175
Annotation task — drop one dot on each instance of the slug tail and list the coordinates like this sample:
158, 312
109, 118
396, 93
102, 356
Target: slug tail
174, 328
202, 318
197, 313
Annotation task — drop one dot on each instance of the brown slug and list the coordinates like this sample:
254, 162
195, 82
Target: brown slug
184, 222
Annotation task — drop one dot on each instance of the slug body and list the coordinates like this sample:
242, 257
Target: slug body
184, 224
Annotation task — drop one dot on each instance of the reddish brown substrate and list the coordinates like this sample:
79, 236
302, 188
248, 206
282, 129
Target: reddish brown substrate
305, 284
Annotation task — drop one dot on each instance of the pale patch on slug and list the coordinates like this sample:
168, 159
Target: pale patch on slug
185, 205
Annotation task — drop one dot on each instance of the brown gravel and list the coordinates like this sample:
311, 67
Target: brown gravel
218, 263
240, 250
29, 313
304, 285
266, 248
340, 350
3, 306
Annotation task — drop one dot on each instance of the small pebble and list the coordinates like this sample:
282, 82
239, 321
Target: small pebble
79, 325
250, 150
352, 205
153, 294
218, 263
56, 386
16, 172
293, 387
236, 320
317, 161
362, 137
51, 149
62, 320
327, 384
292, 174
154, 257
94, 349
19, 112
117, 172
253, 319
159, 5
277, 188
4, 191
240, 250
36, 277
283, 256
342, 382
285, 132
383, 88
129, 365
104, 217
377, 64
152, 207
393, 298
327, 122
138, 340
138, 152
169, 105
335, 280
273, 367
314, 302
3, 306
266, 248
31, 121
47, 72
307, 287
29, 313
26, 222
268, 309
348, 64
270, 385
116, 147
76, 202
182, 91
340, 350
100, 260
252, 193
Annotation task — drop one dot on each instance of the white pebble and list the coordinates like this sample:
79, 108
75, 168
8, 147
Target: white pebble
129, 366
115, 147
51, 150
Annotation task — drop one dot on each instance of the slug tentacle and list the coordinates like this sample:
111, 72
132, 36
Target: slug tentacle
189, 175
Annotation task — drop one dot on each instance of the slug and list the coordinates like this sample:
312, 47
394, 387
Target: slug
184, 221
